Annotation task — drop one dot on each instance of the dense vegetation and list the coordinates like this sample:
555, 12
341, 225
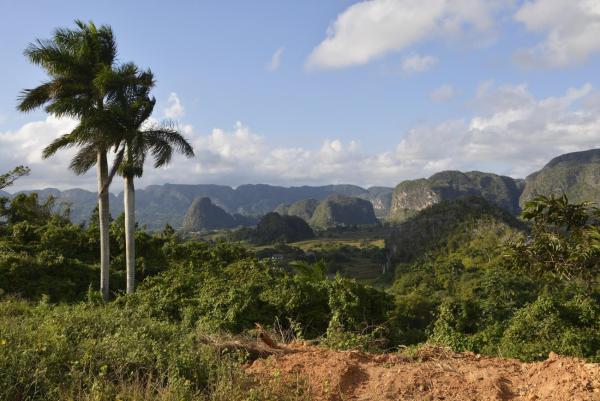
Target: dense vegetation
150, 341
481, 289
273, 227
462, 273
468, 292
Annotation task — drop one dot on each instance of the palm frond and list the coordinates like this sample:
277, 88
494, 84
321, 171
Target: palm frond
85, 159
30, 99
168, 133
63, 142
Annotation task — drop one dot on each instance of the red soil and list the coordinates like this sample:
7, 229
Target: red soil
433, 374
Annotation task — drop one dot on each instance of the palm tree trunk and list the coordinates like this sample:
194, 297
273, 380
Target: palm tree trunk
130, 232
104, 216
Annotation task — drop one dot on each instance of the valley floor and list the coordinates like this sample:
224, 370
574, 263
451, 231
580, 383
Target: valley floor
428, 374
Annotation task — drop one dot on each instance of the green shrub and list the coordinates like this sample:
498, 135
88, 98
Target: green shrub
111, 352
570, 328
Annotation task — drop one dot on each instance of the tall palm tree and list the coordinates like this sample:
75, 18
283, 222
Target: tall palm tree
74, 59
130, 109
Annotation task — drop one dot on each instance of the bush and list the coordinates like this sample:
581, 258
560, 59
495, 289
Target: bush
58, 352
548, 325
109, 352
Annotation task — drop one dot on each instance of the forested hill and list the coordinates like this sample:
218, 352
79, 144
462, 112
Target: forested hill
575, 174
160, 204
413, 196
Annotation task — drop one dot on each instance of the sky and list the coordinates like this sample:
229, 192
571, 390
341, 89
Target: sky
315, 92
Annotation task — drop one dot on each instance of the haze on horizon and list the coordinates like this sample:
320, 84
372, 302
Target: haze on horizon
361, 92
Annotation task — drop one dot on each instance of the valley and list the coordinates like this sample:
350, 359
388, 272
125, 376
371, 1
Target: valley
367, 200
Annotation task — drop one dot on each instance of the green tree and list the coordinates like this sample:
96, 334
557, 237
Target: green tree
27, 208
564, 240
314, 272
9, 178
75, 60
131, 107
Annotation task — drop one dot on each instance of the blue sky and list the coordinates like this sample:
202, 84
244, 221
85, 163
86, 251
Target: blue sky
312, 92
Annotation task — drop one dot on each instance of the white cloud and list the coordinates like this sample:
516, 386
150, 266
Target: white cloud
24, 147
174, 108
416, 63
372, 28
512, 132
572, 29
443, 93
275, 62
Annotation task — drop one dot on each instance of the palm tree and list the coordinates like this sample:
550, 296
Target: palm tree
131, 107
74, 59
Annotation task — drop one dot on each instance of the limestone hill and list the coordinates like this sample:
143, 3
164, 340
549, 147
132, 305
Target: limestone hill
341, 210
575, 174
445, 223
411, 196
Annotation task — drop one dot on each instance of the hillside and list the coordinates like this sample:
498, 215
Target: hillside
341, 210
304, 209
157, 205
411, 196
381, 198
575, 174
432, 227
204, 216
274, 227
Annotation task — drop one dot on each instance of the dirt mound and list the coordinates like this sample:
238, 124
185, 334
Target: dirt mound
432, 374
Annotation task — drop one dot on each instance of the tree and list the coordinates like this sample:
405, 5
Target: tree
9, 178
74, 60
131, 107
564, 240
28, 208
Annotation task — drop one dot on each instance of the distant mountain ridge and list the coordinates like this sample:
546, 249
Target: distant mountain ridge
157, 205
412, 196
576, 174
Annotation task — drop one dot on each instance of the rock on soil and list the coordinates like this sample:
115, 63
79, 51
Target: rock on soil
432, 374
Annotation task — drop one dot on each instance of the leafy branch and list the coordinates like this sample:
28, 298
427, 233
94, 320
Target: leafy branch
9, 178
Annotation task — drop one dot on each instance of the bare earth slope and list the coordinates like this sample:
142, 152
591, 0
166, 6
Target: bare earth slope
434, 374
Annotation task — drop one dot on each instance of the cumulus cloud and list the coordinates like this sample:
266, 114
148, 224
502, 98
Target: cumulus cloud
571, 28
511, 132
174, 107
25, 145
443, 93
416, 63
372, 28
273, 65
